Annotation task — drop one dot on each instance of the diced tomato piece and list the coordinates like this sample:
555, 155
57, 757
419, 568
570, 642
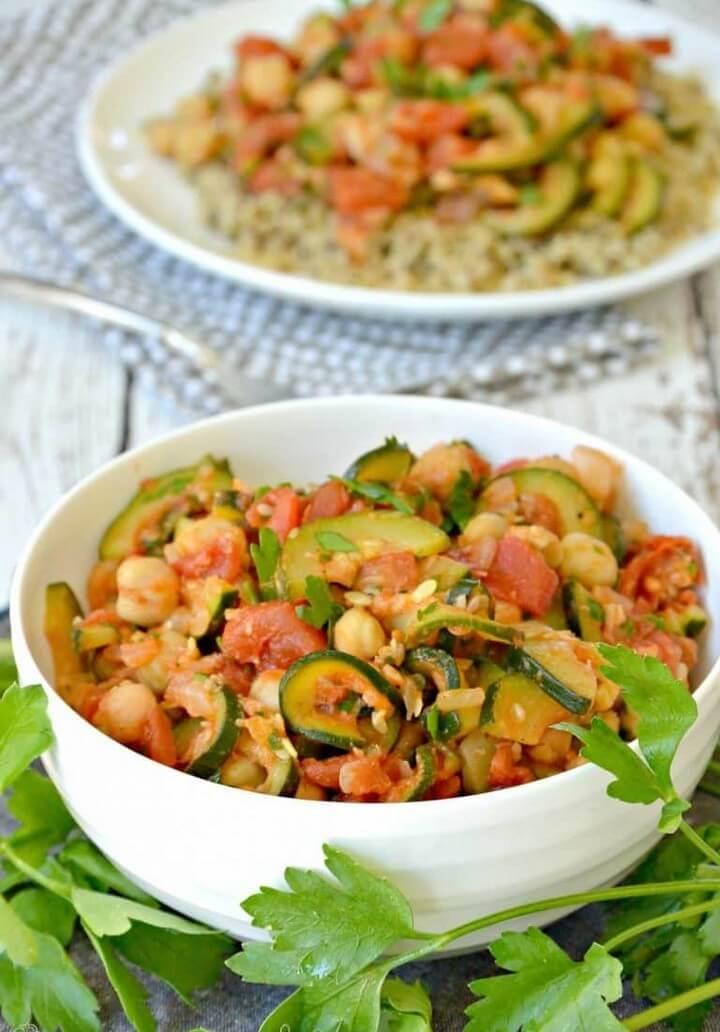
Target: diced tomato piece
462, 41
223, 556
258, 46
330, 500
504, 771
356, 189
286, 508
520, 575
237, 676
159, 739
325, 773
445, 789
658, 45
363, 776
264, 134
269, 635
663, 567
396, 571
446, 150
422, 121
540, 510
509, 52
272, 177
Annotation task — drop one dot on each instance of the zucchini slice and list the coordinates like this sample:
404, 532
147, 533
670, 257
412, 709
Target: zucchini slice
576, 509
608, 175
644, 200
690, 622
446, 572
613, 536
519, 709
562, 677
469, 588
585, 615
476, 753
420, 781
390, 462
435, 664
555, 616
559, 186
300, 556
154, 499
265, 767
62, 610
94, 636
214, 739
330, 723
438, 616
385, 740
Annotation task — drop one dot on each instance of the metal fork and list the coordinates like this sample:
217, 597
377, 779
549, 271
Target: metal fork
236, 387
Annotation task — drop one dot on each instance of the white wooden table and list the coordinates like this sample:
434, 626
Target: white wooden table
68, 407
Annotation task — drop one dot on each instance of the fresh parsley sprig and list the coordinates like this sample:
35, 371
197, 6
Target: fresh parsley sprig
265, 555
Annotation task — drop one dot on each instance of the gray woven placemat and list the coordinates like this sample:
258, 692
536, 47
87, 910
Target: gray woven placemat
54, 227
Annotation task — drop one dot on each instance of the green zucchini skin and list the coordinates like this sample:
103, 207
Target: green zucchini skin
435, 664
576, 509
96, 636
390, 462
559, 189
644, 198
520, 662
468, 588
208, 764
422, 779
121, 537
301, 554
442, 616
297, 697
62, 610
584, 614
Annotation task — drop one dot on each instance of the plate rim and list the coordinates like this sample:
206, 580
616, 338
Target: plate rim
373, 302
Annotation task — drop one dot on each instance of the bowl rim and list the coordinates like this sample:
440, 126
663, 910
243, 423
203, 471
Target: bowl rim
459, 805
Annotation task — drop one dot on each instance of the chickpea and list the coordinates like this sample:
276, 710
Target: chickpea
485, 524
359, 633
598, 474
240, 772
317, 36
588, 559
195, 143
606, 695
265, 688
323, 97
267, 80
439, 468
124, 711
148, 590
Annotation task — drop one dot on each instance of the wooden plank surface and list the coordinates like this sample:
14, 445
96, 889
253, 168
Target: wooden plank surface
70, 406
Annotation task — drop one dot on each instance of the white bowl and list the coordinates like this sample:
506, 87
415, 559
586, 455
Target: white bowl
202, 847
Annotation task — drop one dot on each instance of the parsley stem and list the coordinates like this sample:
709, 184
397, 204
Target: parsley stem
657, 922
699, 842
674, 1005
671, 888
51, 884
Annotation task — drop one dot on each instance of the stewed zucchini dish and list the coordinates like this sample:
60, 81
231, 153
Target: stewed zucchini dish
448, 145
410, 630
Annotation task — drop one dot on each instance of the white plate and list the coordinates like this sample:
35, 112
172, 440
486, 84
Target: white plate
151, 197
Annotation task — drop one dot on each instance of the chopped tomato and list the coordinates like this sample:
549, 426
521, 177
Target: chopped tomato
136, 654
422, 121
264, 134
505, 771
664, 567
355, 189
396, 571
540, 510
279, 509
272, 177
258, 46
360, 68
330, 499
237, 676
325, 773
159, 739
520, 575
446, 150
363, 776
462, 42
659, 45
268, 635
223, 556
509, 52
